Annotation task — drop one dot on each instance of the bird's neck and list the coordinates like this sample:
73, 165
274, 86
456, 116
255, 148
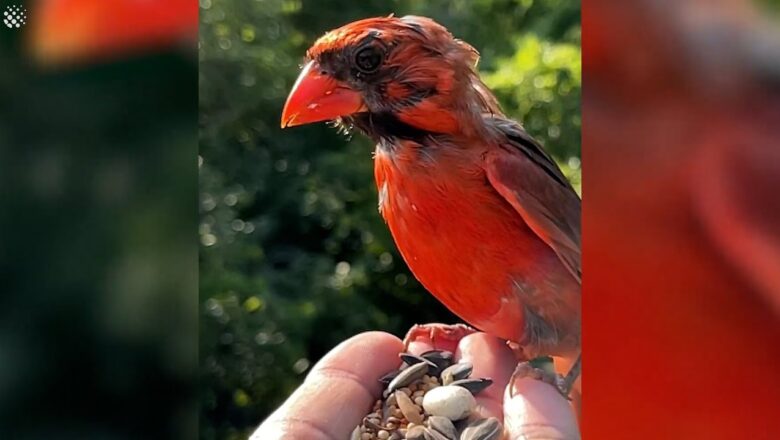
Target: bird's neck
387, 126
419, 123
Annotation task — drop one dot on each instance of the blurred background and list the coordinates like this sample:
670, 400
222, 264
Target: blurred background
98, 226
294, 257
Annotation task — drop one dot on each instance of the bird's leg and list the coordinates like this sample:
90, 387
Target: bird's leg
572, 375
444, 336
541, 368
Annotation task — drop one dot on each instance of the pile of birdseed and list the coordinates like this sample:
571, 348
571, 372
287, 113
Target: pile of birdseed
430, 397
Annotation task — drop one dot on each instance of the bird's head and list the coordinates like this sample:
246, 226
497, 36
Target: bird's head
404, 74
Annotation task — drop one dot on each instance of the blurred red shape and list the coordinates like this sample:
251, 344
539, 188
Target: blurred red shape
76, 30
681, 217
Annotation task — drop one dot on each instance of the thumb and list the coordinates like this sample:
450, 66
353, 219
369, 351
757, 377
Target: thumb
537, 411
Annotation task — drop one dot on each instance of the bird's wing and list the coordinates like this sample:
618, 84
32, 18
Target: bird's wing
525, 175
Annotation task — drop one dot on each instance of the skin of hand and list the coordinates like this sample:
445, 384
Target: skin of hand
342, 386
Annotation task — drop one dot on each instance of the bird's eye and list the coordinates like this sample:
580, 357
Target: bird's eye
368, 59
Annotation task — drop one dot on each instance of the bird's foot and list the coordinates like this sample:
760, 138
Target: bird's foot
541, 368
442, 336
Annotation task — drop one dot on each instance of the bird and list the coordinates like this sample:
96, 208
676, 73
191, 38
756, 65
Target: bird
479, 211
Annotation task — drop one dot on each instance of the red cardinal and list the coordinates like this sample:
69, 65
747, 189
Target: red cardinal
480, 212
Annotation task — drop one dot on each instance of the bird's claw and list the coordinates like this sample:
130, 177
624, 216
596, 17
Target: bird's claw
442, 336
527, 369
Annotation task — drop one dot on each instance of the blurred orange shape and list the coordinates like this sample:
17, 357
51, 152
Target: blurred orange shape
79, 30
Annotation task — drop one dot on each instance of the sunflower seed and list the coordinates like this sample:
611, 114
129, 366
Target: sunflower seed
412, 359
473, 385
416, 433
444, 426
483, 429
387, 411
372, 423
432, 434
408, 408
389, 377
441, 358
454, 372
407, 376
438, 356
355, 433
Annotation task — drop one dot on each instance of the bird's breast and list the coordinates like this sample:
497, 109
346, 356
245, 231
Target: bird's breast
461, 239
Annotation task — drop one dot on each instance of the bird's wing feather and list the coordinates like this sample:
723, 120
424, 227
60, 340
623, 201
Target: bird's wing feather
525, 175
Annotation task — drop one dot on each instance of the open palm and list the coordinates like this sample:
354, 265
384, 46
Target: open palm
343, 385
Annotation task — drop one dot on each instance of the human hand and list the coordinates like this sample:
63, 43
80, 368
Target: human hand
341, 388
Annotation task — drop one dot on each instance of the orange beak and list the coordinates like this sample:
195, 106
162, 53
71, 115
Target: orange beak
317, 96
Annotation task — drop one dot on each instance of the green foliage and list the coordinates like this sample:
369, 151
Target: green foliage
98, 261
294, 256
540, 86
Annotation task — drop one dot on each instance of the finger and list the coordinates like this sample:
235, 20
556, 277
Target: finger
337, 393
537, 410
491, 358
420, 345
